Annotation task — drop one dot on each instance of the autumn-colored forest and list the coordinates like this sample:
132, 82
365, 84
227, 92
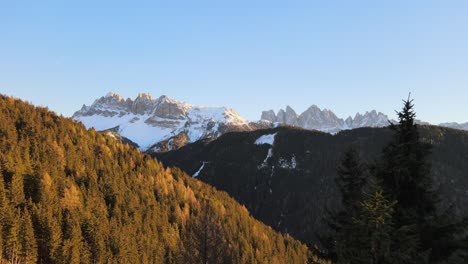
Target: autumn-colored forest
68, 195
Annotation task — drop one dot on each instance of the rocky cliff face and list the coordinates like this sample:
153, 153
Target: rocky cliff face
325, 120
160, 124
368, 119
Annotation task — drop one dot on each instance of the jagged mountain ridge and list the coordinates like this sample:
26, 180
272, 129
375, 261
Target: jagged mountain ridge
325, 120
162, 124
159, 124
455, 125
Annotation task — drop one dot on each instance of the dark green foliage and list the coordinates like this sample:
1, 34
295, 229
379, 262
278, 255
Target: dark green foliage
300, 197
367, 239
405, 175
398, 221
351, 180
68, 195
352, 177
405, 171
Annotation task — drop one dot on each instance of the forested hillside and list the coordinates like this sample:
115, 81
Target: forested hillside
290, 183
68, 195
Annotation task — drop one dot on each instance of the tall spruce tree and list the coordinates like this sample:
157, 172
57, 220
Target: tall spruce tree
28, 253
352, 178
364, 224
368, 236
404, 172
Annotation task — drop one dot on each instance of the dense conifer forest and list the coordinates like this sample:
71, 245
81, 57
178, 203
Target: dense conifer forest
68, 195
391, 210
387, 195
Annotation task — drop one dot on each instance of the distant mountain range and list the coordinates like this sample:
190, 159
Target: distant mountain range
159, 124
162, 124
462, 126
325, 120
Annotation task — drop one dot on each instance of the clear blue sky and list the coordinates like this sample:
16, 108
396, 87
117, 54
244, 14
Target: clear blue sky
347, 56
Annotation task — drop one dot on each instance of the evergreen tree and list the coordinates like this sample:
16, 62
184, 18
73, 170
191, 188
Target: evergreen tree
17, 189
352, 177
405, 171
73, 249
28, 252
203, 243
3, 200
405, 176
12, 245
368, 238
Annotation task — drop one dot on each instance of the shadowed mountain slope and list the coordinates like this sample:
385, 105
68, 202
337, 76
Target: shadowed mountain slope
285, 176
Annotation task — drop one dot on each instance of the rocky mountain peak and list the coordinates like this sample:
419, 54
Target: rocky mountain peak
160, 124
313, 108
368, 119
143, 104
290, 110
169, 109
290, 116
281, 116
114, 96
109, 105
110, 99
144, 97
269, 116
325, 120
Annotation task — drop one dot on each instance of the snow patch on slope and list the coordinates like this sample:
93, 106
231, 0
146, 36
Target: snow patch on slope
199, 170
288, 164
130, 126
266, 139
264, 163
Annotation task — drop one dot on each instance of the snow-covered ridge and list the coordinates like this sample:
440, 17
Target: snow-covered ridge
148, 121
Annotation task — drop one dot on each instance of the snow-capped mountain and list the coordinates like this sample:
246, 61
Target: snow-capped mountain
159, 124
325, 120
162, 124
